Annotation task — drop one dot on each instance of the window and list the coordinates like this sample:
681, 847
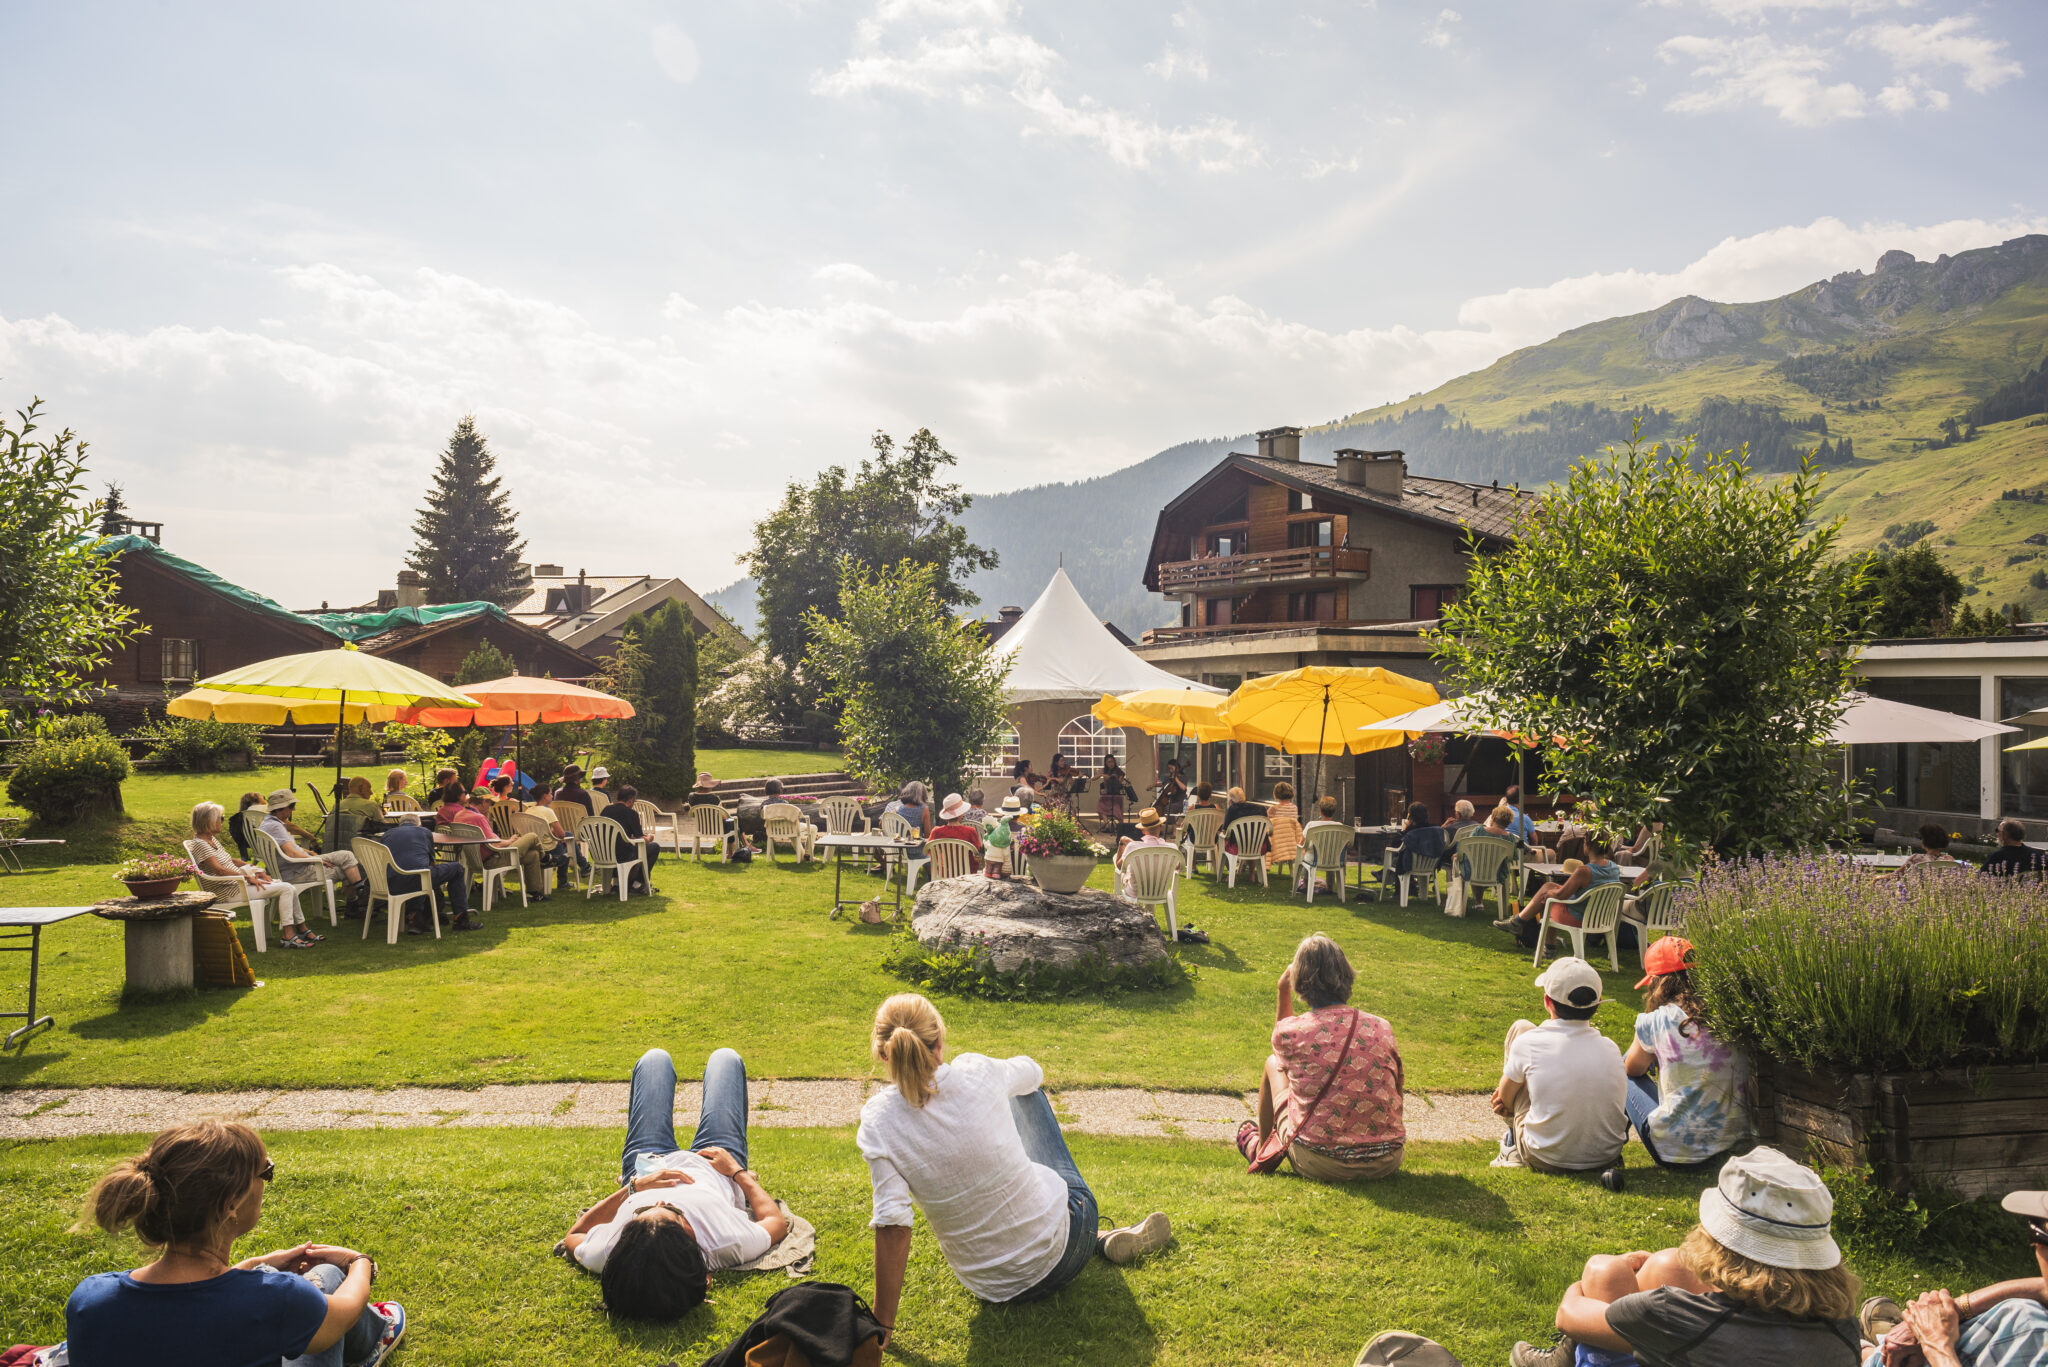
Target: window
1308, 534
1234, 513
1428, 601
1187, 614
2026, 773
999, 761
1084, 741
181, 659
1298, 502
1312, 607
1225, 543
1936, 778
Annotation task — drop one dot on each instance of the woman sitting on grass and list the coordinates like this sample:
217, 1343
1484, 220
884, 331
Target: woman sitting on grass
1699, 1105
1758, 1282
196, 1190
1333, 1080
974, 1143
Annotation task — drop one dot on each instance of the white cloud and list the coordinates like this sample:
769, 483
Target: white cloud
1318, 167
1784, 77
971, 51
1178, 62
1440, 33
1054, 369
1763, 10
675, 53
1950, 42
847, 273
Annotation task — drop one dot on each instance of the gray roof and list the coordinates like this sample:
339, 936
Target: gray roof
1488, 509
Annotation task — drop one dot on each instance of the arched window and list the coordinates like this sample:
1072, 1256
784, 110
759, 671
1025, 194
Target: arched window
1084, 741
998, 762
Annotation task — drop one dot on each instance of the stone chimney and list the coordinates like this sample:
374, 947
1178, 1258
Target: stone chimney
411, 592
1377, 472
1280, 443
547, 571
1010, 614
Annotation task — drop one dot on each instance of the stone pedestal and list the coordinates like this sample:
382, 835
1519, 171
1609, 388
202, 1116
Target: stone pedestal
1018, 923
159, 954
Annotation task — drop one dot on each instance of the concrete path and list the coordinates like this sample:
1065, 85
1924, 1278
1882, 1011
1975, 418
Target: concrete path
61, 1113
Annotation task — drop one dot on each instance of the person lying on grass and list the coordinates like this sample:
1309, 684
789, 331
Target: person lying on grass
191, 1194
974, 1143
2001, 1325
679, 1215
1759, 1282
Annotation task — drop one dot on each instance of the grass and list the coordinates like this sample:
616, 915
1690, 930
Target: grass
742, 762
574, 989
1264, 1270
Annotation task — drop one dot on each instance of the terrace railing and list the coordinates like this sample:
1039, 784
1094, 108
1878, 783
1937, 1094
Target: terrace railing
1265, 567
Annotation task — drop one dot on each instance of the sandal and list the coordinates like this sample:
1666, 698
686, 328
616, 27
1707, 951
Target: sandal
1248, 1138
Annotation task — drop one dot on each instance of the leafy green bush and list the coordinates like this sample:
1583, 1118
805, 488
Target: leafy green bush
200, 743
72, 727
961, 966
60, 778
1813, 960
1876, 1221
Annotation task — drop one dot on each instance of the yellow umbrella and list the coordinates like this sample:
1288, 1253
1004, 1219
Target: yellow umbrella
2041, 744
1320, 709
1166, 712
318, 685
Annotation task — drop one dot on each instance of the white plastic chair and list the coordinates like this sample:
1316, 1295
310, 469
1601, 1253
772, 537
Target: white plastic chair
497, 865
400, 802
709, 826
783, 824
570, 816
1149, 875
1599, 911
602, 839
951, 857
1653, 912
1198, 838
897, 827
229, 893
272, 859
1249, 834
1326, 842
1487, 864
378, 866
842, 815
653, 819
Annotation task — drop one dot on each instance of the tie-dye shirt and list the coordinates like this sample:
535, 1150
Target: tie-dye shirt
1703, 1086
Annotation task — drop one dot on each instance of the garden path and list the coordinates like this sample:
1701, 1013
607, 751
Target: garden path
63, 1113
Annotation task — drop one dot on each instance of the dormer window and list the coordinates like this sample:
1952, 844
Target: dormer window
1298, 502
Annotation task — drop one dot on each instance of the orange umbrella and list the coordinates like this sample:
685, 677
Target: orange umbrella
517, 699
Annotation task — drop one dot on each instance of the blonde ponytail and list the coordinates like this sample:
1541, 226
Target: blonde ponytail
908, 1036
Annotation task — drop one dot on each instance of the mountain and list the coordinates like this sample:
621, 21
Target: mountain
1923, 383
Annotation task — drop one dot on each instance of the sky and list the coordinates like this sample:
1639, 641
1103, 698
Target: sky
674, 256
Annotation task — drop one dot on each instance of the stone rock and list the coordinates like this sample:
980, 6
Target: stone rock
1019, 923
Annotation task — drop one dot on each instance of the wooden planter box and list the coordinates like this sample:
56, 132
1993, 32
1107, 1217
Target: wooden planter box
1975, 1132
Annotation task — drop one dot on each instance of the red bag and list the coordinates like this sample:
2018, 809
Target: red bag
1267, 1157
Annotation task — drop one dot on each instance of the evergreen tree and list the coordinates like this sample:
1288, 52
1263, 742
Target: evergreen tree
466, 548
114, 512
666, 762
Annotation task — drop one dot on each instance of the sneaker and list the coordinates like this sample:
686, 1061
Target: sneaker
1614, 1179
1562, 1353
1505, 923
1151, 1234
393, 1315
1190, 936
1879, 1316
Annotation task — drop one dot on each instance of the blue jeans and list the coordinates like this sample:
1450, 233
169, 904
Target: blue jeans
360, 1340
451, 889
651, 1109
1640, 1101
1044, 1144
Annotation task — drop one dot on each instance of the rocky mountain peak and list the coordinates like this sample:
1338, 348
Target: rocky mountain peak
1895, 260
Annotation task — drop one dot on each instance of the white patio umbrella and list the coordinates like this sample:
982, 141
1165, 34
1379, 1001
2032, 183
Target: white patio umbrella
1466, 716
1879, 721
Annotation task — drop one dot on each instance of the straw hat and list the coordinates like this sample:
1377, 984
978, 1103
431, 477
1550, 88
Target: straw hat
1773, 1211
281, 800
1150, 819
954, 805
1011, 806
705, 782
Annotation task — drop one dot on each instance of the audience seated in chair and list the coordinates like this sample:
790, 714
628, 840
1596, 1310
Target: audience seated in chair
279, 828
1563, 1090
1239, 807
1340, 1054
1151, 831
412, 847
2013, 854
958, 822
975, 1144
362, 804
705, 794
189, 1196
622, 811
216, 862
679, 1215
1597, 870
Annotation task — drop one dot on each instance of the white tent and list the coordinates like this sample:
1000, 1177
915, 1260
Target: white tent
1059, 649
1878, 721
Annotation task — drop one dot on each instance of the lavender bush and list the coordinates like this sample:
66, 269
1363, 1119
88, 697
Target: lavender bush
1812, 960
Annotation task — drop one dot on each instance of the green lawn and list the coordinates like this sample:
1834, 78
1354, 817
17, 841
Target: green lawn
1264, 1270
746, 763
574, 989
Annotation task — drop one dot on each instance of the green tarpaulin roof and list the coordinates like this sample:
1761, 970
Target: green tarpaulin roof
345, 626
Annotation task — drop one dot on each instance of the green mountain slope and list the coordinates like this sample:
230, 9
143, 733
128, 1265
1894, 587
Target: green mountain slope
1871, 364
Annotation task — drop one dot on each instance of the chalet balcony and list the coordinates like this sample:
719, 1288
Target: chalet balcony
1163, 635
1265, 567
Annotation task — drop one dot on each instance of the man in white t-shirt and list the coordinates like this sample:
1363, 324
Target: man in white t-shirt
679, 1215
1563, 1089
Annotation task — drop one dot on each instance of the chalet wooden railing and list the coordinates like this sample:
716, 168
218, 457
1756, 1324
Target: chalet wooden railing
1263, 567
1161, 635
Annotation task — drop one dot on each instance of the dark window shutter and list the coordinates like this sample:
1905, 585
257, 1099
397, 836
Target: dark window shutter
149, 659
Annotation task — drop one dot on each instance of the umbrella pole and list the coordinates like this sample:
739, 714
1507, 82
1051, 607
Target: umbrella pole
1321, 728
340, 723
292, 776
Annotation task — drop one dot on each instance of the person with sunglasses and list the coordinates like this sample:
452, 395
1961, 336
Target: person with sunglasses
195, 1191
2001, 1325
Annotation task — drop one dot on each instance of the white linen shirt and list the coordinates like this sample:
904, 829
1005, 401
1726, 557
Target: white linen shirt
1000, 1219
713, 1204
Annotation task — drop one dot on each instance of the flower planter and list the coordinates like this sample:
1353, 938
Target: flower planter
150, 889
1976, 1132
1066, 873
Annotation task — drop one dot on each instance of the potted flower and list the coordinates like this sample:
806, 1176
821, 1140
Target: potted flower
151, 876
1061, 855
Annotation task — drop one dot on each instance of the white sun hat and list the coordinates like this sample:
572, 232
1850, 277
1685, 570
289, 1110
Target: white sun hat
1773, 1211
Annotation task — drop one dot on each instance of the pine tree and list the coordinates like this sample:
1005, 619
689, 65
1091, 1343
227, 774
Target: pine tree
467, 549
114, 512
668, 699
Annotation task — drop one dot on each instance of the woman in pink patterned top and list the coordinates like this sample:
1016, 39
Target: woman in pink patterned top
1354, 1132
